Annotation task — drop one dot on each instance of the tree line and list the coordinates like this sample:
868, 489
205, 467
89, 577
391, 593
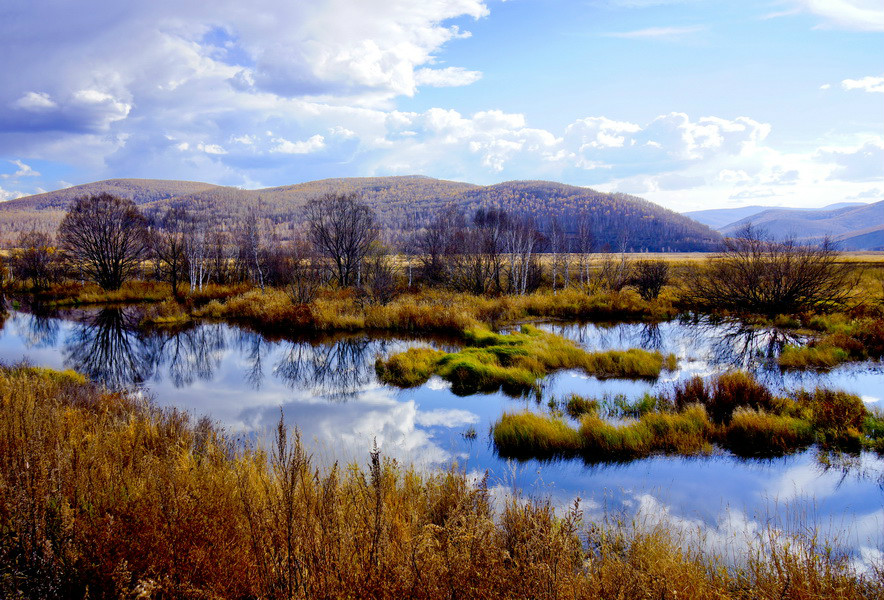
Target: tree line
107, 240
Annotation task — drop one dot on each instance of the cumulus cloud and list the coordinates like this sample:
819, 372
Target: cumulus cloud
9, 195
447, 77
284, 146
866, 84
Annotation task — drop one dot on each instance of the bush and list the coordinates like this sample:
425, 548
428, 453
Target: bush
758, 433
838, 418
724, 394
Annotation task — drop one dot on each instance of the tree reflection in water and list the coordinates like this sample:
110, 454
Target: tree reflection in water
188, 355
107, 348
737, 344
42, 328
253, 347
336, 370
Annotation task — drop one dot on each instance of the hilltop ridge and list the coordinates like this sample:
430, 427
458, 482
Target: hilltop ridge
403, 204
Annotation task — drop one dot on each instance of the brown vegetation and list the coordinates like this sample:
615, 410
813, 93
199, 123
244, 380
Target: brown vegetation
105, 497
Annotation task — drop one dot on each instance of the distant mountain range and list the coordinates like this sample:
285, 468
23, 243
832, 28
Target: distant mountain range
403, 205
853, 225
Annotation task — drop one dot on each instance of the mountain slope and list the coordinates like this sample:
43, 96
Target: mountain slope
403, 204
840, 224
721, 218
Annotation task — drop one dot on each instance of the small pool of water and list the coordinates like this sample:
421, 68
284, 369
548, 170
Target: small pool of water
327, 387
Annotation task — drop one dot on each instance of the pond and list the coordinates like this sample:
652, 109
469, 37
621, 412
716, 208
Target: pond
326, 386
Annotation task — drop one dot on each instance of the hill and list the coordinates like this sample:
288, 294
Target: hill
403, 204
44, 212
721, 218
855, 227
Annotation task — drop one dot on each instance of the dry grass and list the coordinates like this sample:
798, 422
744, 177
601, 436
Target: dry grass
102, 496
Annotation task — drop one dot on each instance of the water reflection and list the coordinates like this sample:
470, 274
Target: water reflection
107, 347
243, 380
338, 370
189, 355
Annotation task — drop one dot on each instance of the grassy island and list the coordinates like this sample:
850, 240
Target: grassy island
515, 361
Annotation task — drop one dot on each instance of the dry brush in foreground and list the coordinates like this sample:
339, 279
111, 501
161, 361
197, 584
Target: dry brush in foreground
106, 497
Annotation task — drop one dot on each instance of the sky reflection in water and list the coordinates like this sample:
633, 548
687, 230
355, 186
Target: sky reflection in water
327, 387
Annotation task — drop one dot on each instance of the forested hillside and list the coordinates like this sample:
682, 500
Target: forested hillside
403, 205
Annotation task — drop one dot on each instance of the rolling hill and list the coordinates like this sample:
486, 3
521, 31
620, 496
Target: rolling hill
403, 204
854, 227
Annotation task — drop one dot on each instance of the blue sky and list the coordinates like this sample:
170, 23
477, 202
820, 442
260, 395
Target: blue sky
688, 103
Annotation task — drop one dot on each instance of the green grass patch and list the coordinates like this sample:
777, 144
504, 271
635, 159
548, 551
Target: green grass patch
577, 406
534, 435
516, 361
410, 368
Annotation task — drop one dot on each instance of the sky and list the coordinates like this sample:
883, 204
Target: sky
691, 104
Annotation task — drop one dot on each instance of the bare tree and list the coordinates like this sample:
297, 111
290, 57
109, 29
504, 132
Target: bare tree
306, 275
170, 247
249, 249
649, 276
342, 228
557, 252
758, 275
35, 258
520, 239
105, 237
436, 243
582, 246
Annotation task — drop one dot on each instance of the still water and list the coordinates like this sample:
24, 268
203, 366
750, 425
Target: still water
327, 388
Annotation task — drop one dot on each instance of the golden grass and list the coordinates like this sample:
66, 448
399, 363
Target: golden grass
744, 417
104, 496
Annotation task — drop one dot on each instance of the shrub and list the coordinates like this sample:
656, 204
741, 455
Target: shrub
724, 394
754, 432
837, 417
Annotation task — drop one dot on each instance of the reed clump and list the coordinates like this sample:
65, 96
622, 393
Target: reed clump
724, 394
543, 435
104, 496
753, 432
410, 368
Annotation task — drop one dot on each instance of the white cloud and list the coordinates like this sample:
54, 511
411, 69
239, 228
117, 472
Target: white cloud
658, 32
9, 195
447, 77
35, 102
863, 15
284, 146
211, 148
862, 163
866, 84
23, 171
826, 86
